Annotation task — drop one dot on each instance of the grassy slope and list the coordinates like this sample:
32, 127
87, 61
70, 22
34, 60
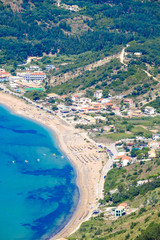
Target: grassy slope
140, 126
128, 226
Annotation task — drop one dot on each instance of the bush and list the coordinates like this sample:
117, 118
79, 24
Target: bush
133, 224
127, 236
98, 232
142, 210
151, 233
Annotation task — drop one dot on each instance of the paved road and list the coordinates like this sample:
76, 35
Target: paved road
112, 155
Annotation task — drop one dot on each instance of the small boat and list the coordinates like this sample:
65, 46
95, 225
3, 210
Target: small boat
38, 160
26, 161
62, 156
13, 161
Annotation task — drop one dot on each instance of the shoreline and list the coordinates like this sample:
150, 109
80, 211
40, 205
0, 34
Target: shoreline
81, 154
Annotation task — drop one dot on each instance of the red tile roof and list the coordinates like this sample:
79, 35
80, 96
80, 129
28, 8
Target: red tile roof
37, 73
125, 158
123, 205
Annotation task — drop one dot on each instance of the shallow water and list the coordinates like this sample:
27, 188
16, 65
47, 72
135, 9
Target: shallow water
38, 194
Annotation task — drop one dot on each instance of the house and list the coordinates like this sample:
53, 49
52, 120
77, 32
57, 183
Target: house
89, 119
115, 108
75, 98
98, 94
104, 100
80, 101
64, 109
119, 211
149, 110
119, 96
94, 107
34, 68
153, 145
123, 204
138, 54
74, 8
128, 101
109, 104
125, 160
14, 79
35, 76
50, 67
156, 136
63, 97
141, 182
4, 76
53, 96
85, 101
136, 114
152, 153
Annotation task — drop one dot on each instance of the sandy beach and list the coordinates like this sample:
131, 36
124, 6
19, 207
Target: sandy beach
80, 150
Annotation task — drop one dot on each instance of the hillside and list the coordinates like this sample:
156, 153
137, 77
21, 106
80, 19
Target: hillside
107, 45
142, 214
31, 28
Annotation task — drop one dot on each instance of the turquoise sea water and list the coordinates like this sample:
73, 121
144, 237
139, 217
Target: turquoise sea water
38, 194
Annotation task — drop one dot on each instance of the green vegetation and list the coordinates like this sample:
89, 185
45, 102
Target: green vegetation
142, 222
152, 232
149, 50
118, 136
39, 26
155, 104
88, 79
128, 128
35, 95
126, 185
110, 77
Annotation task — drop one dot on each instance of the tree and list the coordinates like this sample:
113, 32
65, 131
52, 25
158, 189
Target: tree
54, 107
120, 188
68, 101
152, 232
139, 156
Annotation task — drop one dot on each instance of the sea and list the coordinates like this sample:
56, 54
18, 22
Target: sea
38, 191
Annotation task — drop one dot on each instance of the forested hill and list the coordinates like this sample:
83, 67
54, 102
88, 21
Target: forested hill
29, 28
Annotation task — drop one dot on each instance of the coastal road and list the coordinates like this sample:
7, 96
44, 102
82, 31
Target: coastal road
108, 166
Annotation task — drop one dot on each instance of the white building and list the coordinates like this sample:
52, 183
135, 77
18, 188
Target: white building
50, 67
4, 76
98, 94
105, 100
33, 68
149, 110
125, 161
13, 79
156, 136
35, 76
138, 54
